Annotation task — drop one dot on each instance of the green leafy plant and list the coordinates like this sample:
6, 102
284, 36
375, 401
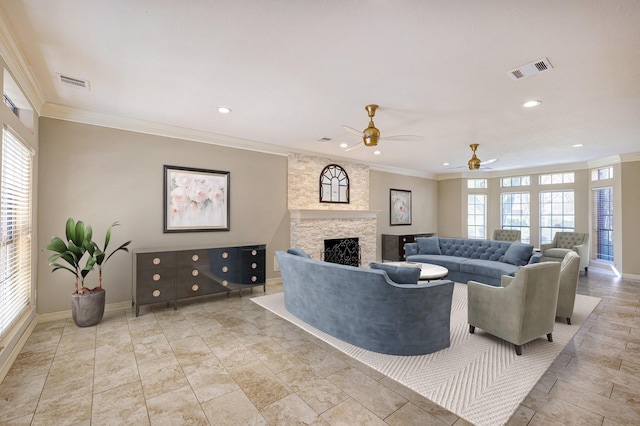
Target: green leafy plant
100, 254
78, 243
69, 255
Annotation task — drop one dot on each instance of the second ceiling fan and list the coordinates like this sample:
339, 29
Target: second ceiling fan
371, 135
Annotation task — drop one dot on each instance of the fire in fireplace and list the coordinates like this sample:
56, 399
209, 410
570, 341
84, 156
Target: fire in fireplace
344, 251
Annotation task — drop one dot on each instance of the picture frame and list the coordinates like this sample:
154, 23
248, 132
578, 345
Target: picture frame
195, 200
399, 207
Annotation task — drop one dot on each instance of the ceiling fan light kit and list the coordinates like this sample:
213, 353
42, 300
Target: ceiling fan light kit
474, 162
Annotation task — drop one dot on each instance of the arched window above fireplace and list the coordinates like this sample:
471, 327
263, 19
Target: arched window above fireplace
334, 185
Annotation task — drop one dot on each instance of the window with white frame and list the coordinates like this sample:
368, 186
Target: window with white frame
515, 213
476, 183
556, 178
603, 223
15, 229
557, 213
477, 216
515, 181
602, 174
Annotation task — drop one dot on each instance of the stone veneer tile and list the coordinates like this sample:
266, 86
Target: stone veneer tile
124, 404
233, 409
260, 384
178, 407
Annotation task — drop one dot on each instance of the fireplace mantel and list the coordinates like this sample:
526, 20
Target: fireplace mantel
333, 214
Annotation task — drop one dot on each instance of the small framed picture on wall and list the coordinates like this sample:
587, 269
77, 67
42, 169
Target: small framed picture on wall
400, 207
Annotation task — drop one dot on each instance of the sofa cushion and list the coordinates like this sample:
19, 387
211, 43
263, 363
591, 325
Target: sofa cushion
429, 245
399, 274
298, 252
452, 263
518, 254
410, 249
488, 268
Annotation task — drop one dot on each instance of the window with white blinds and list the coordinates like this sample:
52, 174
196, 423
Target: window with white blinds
15, 229
602, 243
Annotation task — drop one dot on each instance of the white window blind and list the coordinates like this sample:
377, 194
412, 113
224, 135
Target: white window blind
15, 230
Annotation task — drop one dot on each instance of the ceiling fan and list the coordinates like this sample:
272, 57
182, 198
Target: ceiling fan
371, 135
475, 163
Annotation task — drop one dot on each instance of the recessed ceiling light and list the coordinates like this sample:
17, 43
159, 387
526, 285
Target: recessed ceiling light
344, 145
377, 152
531, 104
224, 110
445, 164
578, 145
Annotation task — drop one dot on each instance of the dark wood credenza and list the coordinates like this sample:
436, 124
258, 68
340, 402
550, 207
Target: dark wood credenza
171, 275
393, 245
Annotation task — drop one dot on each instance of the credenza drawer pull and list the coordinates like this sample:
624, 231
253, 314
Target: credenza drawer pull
195, 287
156, 277
254, 279
225, 283
225, 255
156, 293
156, 260
254, 252
195, 272
254, 265
195, 257
225, 269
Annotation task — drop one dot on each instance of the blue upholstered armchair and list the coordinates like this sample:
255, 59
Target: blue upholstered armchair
563, 243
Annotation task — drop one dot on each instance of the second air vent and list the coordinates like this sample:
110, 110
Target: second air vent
530, 69
73, 82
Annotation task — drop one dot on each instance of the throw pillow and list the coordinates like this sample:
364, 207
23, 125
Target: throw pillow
518, 254
399, 274
430, 245
298, 252
410, 249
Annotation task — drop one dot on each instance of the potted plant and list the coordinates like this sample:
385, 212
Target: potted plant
87, 305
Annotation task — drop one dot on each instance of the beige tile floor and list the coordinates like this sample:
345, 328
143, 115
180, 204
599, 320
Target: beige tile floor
222, 360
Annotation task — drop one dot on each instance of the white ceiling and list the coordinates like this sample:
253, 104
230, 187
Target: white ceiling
294, 71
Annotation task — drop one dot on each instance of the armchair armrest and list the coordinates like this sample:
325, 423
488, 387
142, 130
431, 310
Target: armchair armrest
545, 247
505, 280
582, 250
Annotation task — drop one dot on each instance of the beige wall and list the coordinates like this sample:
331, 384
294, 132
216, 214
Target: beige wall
424, 204
452, 222
630, 191
102, 175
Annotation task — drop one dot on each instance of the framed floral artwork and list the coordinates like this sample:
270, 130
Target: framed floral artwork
400, 207
195, 200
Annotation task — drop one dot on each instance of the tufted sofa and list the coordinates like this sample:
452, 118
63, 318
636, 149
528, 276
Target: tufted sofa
484, 261
563, 243
362, 306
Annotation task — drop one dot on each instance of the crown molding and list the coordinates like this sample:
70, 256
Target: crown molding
627, 158
63, 112
13, 57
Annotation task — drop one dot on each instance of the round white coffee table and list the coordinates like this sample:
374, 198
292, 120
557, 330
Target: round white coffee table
427, 271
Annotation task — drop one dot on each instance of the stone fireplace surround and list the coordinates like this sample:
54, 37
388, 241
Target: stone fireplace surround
311, 222
309, 229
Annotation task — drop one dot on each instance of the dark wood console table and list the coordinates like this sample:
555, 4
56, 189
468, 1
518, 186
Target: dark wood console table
170, 275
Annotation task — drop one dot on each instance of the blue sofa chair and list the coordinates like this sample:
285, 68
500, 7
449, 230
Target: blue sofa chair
364, 307
484, 261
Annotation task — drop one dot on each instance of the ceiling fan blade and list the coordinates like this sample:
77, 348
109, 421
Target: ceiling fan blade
403, 138
352, 130
354, 146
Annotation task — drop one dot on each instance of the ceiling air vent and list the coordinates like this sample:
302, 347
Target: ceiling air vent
324, 139
530, 69
77, 83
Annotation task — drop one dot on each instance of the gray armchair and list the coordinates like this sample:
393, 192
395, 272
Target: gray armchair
569, 274
523, 309
563, 243
506, 235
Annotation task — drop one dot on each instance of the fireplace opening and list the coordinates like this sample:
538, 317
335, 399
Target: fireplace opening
344, 251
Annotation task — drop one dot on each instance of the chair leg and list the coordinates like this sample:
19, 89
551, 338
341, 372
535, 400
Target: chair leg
518, 349
550, 337
569, 321
472, 328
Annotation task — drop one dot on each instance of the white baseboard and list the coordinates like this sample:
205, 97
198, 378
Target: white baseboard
632, 277
29, 322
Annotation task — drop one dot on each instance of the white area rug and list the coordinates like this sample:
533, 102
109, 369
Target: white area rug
479, 377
